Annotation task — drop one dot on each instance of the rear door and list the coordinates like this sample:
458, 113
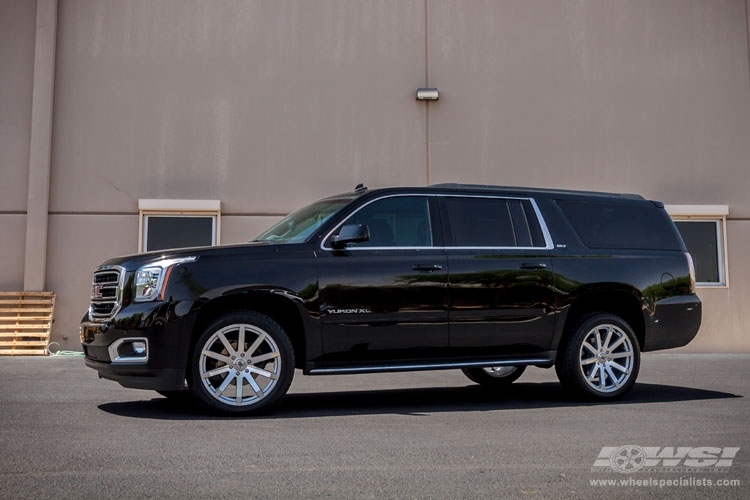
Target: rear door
501, 284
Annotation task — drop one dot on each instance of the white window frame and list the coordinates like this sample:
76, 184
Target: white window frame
708, 213
178, 208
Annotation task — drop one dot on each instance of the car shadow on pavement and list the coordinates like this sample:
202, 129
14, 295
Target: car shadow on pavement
416, 401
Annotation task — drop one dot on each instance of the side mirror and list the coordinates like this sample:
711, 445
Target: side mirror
350, 233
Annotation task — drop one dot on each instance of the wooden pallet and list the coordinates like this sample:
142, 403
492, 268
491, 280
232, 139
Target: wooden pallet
25, 322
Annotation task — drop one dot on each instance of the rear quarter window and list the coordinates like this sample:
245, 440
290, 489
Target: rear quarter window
621, 225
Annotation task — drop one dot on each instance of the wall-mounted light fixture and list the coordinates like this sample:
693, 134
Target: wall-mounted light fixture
427, 94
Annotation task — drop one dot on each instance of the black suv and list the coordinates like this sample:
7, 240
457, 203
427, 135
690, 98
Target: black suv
484, 279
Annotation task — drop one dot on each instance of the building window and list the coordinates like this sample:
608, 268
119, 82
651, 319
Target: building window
178, 223
703, 228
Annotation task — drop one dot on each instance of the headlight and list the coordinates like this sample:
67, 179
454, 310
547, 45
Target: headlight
147, 283
151, 280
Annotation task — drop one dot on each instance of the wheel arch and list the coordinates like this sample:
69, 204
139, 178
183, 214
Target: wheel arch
277, 306
621, 301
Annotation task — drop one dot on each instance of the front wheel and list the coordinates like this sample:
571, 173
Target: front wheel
600, 359
494, 376
242, 364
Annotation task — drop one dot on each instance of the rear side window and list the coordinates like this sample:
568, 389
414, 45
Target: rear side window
493, 222
621, 225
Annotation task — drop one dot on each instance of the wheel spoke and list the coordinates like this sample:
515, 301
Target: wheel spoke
238, 392
223, 387
598, 338
588, 361
216, 371
619, 367
256, 344
593, 373
612, 376
216, 356
617, 344
241, 340
262, 373
590, 348
602, 377
608, 339
618, 355
227, 345
255, 387
264, 357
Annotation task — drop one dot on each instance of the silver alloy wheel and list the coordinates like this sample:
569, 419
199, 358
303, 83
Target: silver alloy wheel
239, 365
499, 371
606, 358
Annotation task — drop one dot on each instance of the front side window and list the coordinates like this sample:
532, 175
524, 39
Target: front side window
396, 221
493, 222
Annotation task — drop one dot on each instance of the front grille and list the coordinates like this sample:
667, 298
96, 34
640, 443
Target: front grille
106, 293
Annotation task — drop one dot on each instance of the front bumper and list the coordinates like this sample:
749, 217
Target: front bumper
144, 346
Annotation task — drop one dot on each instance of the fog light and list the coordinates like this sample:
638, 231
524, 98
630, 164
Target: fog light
139, 347
129, 350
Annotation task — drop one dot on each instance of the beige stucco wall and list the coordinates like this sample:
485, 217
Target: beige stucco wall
17, 20
269, 105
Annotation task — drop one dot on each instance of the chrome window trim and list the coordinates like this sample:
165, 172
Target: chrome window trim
549, 244
395, 195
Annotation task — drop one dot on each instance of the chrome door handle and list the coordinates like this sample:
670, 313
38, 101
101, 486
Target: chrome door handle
427, 267
533, 267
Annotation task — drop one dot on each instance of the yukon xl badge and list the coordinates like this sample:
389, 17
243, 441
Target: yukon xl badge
358, 310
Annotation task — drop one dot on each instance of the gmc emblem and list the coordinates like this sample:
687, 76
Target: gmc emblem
96, 291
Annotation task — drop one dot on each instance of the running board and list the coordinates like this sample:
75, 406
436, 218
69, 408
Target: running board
413, 367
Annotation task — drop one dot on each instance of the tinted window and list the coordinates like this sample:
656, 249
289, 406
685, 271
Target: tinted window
701, 240
621, 225
493, 222
398, 221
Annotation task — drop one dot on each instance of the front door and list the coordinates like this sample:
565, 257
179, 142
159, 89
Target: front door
386, 299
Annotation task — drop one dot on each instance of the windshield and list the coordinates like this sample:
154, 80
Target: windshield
298, 226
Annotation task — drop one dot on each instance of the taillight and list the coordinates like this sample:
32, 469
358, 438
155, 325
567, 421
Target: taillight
691, 268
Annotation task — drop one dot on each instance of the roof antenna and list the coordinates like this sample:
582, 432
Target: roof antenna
360, 188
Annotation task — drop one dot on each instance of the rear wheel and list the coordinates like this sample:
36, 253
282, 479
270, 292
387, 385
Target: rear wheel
242, 364
494, 376
600, 359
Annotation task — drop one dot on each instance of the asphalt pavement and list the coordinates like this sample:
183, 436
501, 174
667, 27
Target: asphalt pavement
430, 435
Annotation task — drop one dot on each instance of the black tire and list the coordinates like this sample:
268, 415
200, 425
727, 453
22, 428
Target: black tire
494, 376
603, 369
263, 364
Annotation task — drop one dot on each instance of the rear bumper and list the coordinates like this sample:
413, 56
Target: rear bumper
674, 323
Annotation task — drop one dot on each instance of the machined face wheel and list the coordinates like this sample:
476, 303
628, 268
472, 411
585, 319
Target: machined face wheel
606, 358
494, 376
242, 364
599, 357
239, 365
499, 371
